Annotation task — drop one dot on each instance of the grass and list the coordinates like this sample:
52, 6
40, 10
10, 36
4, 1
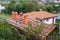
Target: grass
4, 15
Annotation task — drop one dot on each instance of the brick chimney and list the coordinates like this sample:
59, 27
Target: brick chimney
16, 16
21, 16
13, 14
26, 19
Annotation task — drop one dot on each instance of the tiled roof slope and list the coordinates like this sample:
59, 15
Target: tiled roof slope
40, 14
46, 31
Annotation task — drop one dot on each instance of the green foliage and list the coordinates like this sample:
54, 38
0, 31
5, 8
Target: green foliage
11, 6
59, 37
8, 32
22, 5
55, 8
42, 6
49, 8
33, 33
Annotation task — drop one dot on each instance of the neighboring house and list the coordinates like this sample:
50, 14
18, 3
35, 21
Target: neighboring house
36, 17
1, 7
56, 1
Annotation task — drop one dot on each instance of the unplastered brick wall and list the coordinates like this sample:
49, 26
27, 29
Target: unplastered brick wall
20, 17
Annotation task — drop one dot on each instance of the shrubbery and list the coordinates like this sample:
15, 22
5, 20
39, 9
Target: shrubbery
22, 6
42, 6
27, 6
49, 8
32, 33
8, 32
55, 8
30, 5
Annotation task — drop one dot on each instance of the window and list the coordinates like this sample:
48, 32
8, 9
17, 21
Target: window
47, 19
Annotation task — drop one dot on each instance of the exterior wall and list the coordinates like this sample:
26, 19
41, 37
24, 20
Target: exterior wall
49, 21
54, 20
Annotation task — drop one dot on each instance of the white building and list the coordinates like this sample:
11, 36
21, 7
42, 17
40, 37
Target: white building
1, 7
45, 17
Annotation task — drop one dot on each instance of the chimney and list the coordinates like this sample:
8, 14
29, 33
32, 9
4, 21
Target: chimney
26, 19
16, 16
21, 16
13, 14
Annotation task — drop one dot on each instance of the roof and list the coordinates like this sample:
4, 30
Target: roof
40, 14
48, 28
46, 31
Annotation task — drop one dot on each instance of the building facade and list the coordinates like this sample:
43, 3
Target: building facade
49, 1
43, 16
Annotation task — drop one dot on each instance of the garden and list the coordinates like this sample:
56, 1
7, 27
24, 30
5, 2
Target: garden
8, 32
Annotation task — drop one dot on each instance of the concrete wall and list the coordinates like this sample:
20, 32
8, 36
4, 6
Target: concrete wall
49, 21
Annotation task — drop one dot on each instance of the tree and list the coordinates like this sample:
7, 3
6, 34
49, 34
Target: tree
42, 6
23, 6
49, 8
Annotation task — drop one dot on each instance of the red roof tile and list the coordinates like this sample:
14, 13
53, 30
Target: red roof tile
40, 14
47, 28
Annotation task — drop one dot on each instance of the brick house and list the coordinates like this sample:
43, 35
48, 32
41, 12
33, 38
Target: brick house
43, 16
37, 16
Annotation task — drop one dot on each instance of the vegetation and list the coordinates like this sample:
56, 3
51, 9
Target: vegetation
42, 6
8, 32
33, 33
49, 8
55, 8
59, 37
22, 6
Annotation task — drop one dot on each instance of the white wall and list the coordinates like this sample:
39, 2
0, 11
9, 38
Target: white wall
50, 20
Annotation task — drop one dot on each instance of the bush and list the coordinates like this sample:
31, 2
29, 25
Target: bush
8, 32
59, 37
23, 6
49, 8
42, 6
55, 8
33, 33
